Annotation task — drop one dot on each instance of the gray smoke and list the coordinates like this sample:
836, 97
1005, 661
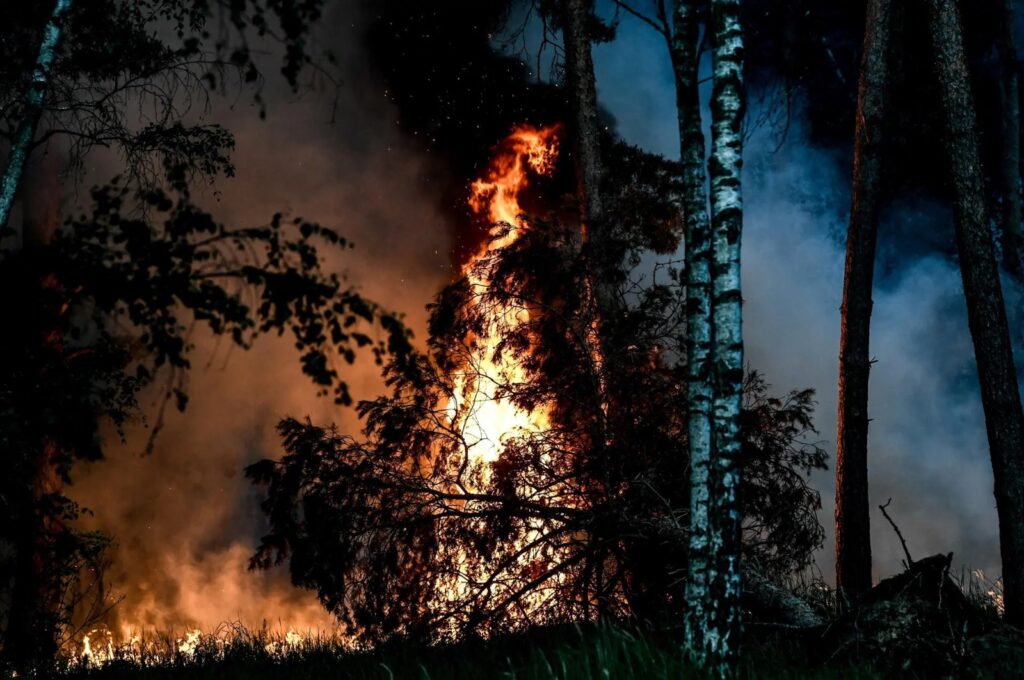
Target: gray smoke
185, 520
928, 449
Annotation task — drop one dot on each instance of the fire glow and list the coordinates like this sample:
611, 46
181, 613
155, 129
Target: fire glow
483, 418
476, 409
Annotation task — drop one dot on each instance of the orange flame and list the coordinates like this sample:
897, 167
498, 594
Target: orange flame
485, 419
528, 150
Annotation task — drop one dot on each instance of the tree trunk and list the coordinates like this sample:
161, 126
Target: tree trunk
579, 71
727, 109
33, 107
34, 618
852, 513
986, 313
686, 61
1009, 96
581, 83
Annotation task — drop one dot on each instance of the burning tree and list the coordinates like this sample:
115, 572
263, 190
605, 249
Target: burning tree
494, 487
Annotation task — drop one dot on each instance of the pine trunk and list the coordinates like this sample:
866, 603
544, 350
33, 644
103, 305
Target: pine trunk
685, 62
33, 107
986, 313
1009, 96
727, 109
581, 83
852, 512
579, 71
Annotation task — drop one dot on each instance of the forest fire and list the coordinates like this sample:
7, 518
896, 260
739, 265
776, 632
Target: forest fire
99, 646
476, 410
256, 422
483, 417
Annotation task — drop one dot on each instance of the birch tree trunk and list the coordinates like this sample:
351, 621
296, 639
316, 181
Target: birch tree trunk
33, 107
727, 108
1009, 96
986, 314
686, 62
852, 512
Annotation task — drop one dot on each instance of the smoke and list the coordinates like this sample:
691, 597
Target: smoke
927, 444
184, 519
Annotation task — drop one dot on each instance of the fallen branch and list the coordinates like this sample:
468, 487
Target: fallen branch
910, 560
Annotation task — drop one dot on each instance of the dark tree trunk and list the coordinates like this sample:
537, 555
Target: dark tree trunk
853, 533
579, 71
1009, 96
32, 622
986, 313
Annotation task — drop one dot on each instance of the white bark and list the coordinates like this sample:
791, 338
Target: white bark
34, 98
727, 107
685, 61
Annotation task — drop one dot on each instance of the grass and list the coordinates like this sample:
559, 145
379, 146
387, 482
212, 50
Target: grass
562, 653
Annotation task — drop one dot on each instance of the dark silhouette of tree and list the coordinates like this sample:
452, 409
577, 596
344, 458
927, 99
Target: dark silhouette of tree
104, 308
31, 109
986, 312
852, 511
1008, 77
577, 19
104, 75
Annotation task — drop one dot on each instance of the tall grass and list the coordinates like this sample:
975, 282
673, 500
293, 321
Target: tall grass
562, 653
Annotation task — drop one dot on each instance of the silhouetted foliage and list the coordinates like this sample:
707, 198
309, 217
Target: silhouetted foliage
108, 308
424, 527
128, 75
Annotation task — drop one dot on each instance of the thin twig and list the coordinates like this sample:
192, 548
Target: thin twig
657, 24
910, 560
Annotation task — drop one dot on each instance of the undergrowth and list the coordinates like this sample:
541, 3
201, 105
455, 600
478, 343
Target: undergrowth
562, 653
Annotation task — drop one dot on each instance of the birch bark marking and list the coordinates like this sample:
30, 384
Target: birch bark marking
852, 510
34, 97
685, 62
727, 110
